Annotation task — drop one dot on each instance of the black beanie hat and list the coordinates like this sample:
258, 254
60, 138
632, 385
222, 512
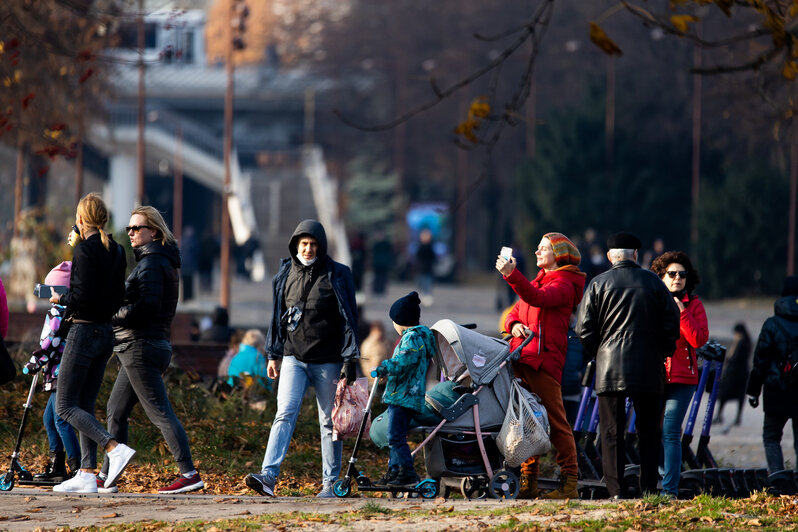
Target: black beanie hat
406, 310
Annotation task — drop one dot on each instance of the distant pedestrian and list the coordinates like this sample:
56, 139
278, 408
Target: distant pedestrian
190, 261
425, 265
312, 341
357, 248
220, 331
735, 373
208, 251
374, 349
250, 360
96, 291
681, 367
629, 323
774, 374
382, 261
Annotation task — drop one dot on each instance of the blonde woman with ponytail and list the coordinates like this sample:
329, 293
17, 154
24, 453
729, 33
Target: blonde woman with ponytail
96, 289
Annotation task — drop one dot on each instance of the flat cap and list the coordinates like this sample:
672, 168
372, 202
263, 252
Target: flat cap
624, 241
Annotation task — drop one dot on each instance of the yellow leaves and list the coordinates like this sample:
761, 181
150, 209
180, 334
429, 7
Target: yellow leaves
603, 41
793, 10
680, 22
2, 47
479, 109
52, 134
63, 71
790, 70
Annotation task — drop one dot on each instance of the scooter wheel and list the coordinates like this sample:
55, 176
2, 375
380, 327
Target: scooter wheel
342, 488
7, 481
504, 485
428, 489
472, 488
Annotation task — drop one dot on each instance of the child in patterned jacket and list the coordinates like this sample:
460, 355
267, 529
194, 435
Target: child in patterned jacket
406, 373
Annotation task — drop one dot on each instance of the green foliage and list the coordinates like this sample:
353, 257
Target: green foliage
742, 227
568, 186
371, 190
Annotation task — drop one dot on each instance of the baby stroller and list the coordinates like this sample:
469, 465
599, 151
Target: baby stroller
460, 450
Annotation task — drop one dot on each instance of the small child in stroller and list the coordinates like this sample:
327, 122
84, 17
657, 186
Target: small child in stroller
406, 385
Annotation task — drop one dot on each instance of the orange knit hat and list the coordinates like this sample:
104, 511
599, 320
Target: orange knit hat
565, 251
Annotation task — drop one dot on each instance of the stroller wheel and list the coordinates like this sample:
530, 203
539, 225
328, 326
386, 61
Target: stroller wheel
504, 485
342, 488
472, 488
7, 481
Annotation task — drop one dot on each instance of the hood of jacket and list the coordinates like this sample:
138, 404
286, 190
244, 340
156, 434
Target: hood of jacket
156, 247
787, 308
314, 229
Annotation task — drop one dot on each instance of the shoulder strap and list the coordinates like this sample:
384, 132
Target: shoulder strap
787, 337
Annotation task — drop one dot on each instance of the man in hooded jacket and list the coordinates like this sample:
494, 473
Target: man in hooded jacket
312, 341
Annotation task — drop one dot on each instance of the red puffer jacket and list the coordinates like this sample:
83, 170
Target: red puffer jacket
682, 367
545, 308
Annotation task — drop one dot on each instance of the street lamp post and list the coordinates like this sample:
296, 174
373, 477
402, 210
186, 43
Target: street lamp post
238, 15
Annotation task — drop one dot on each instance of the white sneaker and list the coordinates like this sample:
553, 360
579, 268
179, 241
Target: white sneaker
118, 459
81, 483
102, 489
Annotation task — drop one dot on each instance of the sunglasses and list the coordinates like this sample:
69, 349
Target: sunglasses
682, 274
136, 228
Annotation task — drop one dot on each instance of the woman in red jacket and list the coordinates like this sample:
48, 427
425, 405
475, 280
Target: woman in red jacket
681, 368
544, 308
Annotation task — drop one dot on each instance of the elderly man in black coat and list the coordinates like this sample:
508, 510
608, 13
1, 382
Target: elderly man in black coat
629, 323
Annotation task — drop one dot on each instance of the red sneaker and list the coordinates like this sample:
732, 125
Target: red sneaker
183, 484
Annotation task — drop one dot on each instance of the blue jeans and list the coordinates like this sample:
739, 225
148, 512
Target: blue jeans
398, 422
677, 399
60, 434
295, 378
140, 381
88, 348
772, 431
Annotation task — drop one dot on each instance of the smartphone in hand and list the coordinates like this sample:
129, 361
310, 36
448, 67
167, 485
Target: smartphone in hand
507, 253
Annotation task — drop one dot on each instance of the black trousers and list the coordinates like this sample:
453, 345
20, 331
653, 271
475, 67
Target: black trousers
612, 426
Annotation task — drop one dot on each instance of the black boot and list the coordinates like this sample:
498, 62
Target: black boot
405, 476
388, 476
55, 471
73, 464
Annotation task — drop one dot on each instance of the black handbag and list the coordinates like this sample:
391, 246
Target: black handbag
7, 369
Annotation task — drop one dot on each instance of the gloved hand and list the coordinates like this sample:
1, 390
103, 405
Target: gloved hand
379, 371
348, 372
753, 400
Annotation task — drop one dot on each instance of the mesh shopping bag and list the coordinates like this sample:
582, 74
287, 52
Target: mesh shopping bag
348, 409
525, 431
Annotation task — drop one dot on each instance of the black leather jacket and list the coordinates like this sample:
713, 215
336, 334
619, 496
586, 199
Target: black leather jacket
778, 334
629, 322
151, 294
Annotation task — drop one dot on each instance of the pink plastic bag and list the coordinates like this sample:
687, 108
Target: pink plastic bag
348, 410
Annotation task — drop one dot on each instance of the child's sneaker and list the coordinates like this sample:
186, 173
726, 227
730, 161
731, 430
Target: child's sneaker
404, 476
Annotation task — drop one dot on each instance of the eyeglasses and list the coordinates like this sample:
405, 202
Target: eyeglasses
136, 228
682, 274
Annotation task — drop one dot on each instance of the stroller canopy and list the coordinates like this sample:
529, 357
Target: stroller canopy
461, 350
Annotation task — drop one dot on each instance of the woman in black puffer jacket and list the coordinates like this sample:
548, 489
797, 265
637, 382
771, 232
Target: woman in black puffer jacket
141, 330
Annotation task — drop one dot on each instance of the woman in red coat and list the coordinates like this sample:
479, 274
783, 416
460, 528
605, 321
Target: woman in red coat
544, 308
681, 368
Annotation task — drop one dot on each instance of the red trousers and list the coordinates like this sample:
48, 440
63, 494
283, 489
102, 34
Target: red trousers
562, 437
